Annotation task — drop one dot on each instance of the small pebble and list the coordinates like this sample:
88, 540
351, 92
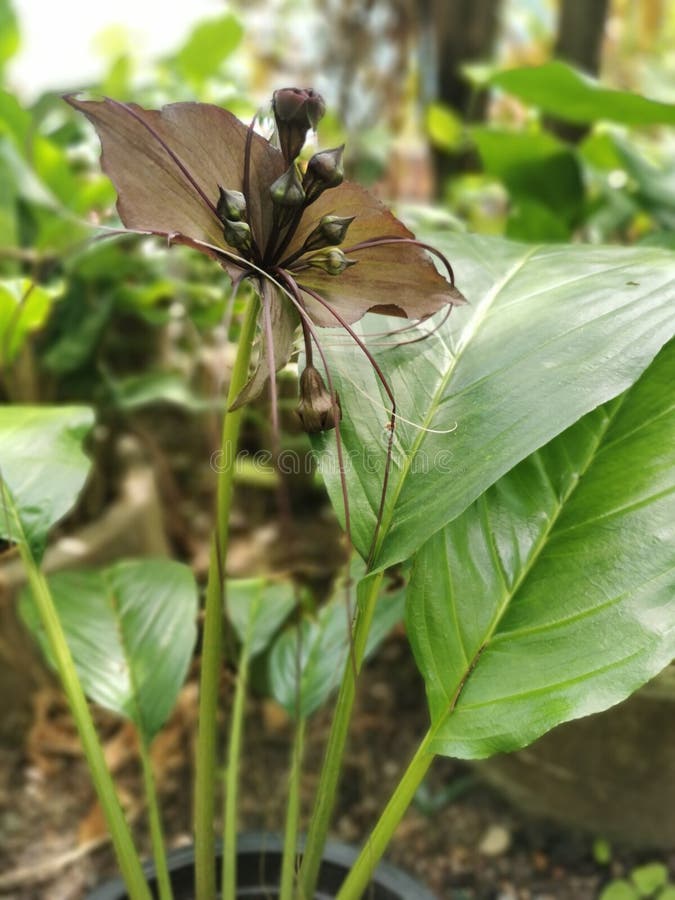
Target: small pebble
495, 841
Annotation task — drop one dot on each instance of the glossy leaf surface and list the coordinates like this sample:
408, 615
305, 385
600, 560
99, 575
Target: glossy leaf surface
257, 608
549, 334
551, 597
131, 629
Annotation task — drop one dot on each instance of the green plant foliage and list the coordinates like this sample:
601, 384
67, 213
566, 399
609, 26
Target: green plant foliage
131, 629
209, 45
257, 608
550, 598
24, 308
444, 127
323, 648
543, 178
560, 90
649, 878
42, 468
549, 334
9, 33
619, 890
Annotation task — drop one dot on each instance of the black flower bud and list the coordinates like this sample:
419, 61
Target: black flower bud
324, 170
332, 261
237, 234
330, 232
317, 409
287, 190
231, 205
295, 112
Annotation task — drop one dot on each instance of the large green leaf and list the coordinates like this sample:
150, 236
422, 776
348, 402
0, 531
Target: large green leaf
42, 468
24, 307
551, 597
131, 629
308, 672
566, 93
208, 45
549, 334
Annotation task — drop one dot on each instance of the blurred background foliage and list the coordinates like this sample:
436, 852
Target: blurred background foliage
466, 114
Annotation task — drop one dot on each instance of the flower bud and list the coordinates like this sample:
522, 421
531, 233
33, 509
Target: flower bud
317, 410
332, 261
295, 112
324, 170
237, 234
287, 190
231, 205
330, 232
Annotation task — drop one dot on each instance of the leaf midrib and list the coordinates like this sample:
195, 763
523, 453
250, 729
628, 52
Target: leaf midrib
465, 339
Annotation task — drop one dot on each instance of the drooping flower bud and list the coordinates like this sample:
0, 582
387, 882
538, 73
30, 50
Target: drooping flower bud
295, 112
324, 170
332, 261
287, 190
317, 410
237, 234
231, 205
330, 232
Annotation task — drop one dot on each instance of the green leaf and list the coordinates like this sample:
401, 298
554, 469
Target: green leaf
443, 126
42, 467
9, 32
550, 598
668, 893
131, 629
24, 308
257, 608
619, 890
155, 387
538, 169
549, 333
562, 91
209, 44
649, 878
324, 647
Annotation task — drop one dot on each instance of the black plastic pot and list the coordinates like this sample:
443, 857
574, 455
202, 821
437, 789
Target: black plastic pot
259, 869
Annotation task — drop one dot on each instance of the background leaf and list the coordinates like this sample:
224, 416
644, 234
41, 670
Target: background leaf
324, 648
257, 607
131, 629
209, 44
551, 597
549, 334
42, 466
568, 94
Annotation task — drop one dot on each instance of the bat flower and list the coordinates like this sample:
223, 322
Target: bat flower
322, 251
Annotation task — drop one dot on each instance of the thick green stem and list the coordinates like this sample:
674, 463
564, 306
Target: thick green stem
330, 771
362, 871
288, 865
229, 871
127, 857
156, 831
205, 867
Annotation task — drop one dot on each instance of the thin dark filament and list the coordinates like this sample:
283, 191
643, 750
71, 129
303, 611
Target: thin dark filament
174, 156
392, 419
423, 337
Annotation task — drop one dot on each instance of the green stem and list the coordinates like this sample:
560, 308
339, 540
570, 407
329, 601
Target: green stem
156, 831
288, 865
330, 771
127, 857
229, 871
205, 871
362, 871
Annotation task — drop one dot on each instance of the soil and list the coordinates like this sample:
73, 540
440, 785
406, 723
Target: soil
459, 837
